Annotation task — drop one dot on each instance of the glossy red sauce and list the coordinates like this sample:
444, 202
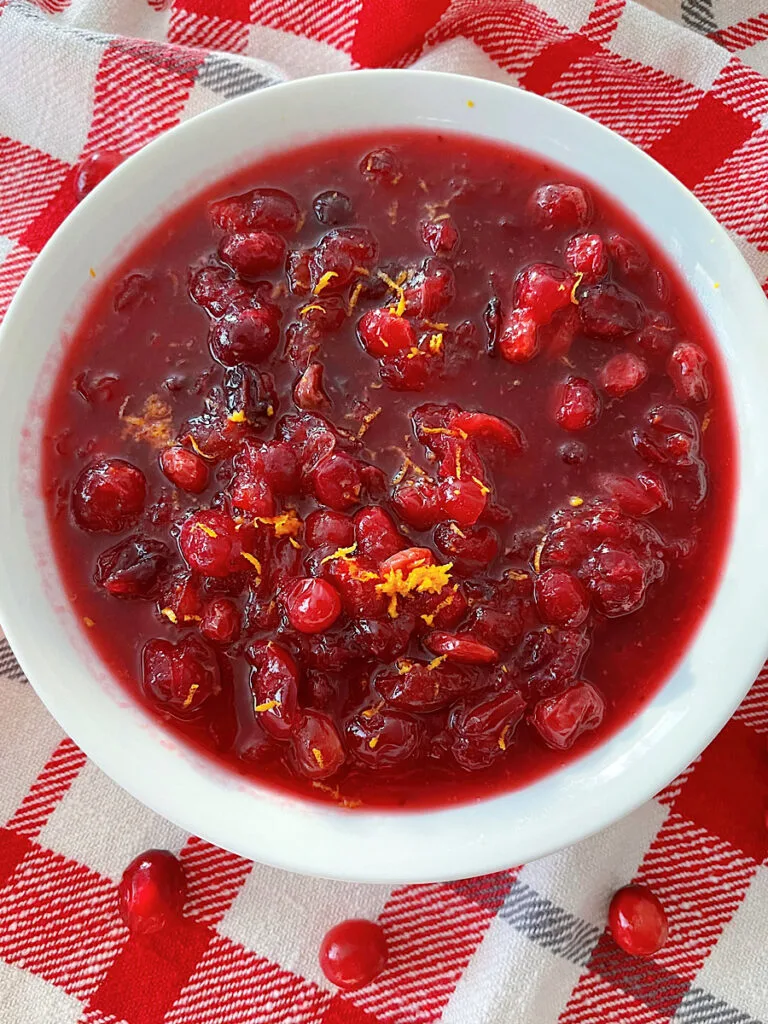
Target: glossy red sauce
574, 533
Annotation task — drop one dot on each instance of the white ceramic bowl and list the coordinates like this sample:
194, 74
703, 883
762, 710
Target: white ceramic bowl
155, 766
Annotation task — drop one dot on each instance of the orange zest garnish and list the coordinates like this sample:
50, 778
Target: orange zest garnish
206, 530
575, 501
503, 737
397, 288
435, 343
421, 579
372, 712
88, 621
170, 614
354, 296
191, 695
237, 417
340, 553
367, 421
313, 305
196, 447
294, 543
579, 278
253, 560
287, 524
318, 756
483, 489
436, 662
324, 281
268, 705
537, 555
373, 741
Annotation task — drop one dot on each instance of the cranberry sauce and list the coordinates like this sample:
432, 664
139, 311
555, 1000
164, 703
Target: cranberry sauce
394, 471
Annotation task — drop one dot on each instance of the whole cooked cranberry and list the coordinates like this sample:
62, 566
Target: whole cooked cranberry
185, 469
385, 639
344, 251
211, 544
383, 333
658, 335
687, 368
637, 920
444, 610
250, 488
543, 289
561, 719
577, 405
461, 647
275, 684
152, 892
406, 561
551, 658
333, 208
561, 598
483, 731
353, 953
469, 548
332, 528
377, 535
356, 580
246, 336
93, 169
628, 258
560, 206
312, 605
441, 235
463, 500
336, 481
431, 290
518, 342
221, 621
573, 453
108, 496
407, 371
586, 255
381, 167
317, 748
623, 373
323, 317
609, 312
384, 739
179, 677
132, 568
217, 291
252, 253
308, 390
267, 208
617, 579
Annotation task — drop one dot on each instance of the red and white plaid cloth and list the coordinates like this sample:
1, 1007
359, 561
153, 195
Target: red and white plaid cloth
684, 80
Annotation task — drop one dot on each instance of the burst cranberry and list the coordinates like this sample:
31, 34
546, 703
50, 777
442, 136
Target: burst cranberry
275, 683
461, 647
152, 892
469, 548
383, 333
108, 496
623, 373
384, 739
353, 953
179, 677
333, 208
377, 535
687, 368
441, 235
628, 258
407, 560
220, 621
577, 405
586, 255
417, 503
312, 605
186, 470
280, 467
266, 208
385, 639
356, 580
518, 342
330, 528
336, 481
317, 747
92, 170
250, 488
609, 312
407, 371
560, 720
560, 598
132, 568
543, 289
617, 579
253, 253
640, 496
560, 206
483, 731
381, 167
308, 391
481, 426
210, 543
422, 687
463, 500
247, 336
637, 920
181, 593
433, 288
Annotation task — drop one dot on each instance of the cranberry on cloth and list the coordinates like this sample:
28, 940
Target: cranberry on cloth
83, 85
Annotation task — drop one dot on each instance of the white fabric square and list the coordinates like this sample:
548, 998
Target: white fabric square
608, 861
571, 13
463, 54
29, 999
300, 912
100, 824
30, 736
119, 18
289, 51
6, 244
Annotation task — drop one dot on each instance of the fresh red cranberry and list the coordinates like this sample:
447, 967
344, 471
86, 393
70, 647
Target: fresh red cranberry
312, 605
252, 253
461, 647
93, 169
353, 953
308, 393
333, 208
560, 720
470, 548
637, 920
382, 167
275, 684
317, 748
463, 500
687, 368
132, 568
108, 496
332, 528
623, 373
179, 677
384, 739
482, 426
185, 469
560, 206
482, 732
377, 535
543, 289
609, 312
441, 235
628, 258
383, 333
211, 544
220, 621
246, 336
577, 405
152, 892
586, 255
560, 598
518, 342
267, 208
336, 481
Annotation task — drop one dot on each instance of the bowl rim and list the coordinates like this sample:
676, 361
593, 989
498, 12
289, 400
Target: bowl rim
468, 839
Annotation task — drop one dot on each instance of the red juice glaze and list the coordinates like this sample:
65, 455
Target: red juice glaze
570, 596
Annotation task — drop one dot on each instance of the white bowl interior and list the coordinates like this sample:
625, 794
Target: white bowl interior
188, 788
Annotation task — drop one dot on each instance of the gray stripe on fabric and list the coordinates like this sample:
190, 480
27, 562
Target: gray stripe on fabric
230, 78
697, 14
550, 926
699, 1007
9, 667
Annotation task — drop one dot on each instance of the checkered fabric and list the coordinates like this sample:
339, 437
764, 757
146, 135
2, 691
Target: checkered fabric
684, 80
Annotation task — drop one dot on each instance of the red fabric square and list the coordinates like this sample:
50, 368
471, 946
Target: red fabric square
30, 178
597, 1000
643, 979
232, 10
375, 44
698, 145
721, 794
342, 1011
148, 974
13, 848
554, 61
